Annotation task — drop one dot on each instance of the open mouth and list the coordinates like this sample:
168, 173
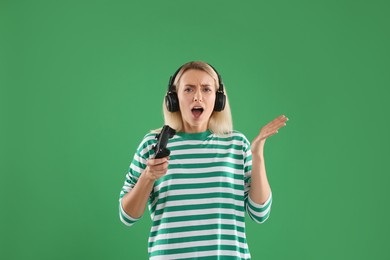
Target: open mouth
197, 111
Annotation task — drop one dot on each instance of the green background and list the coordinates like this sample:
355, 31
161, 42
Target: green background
83, 81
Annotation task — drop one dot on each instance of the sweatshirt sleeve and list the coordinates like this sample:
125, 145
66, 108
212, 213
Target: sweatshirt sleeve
137, 166
257, 212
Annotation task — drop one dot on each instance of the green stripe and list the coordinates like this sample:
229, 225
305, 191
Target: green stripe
237, 137
199, 217
206, 146
210, 196
127, 219
259, 210
139, 164
129, 181
199, 249
200, 186
199, 207
188, 186
205, 165
224, 257
196, 239
200, 175
207, 155
196, 228
259, 219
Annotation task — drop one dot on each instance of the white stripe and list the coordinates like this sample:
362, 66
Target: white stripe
131, 179
256, 205
200, 254
239, 203
196, 233
193, 151
199, 243
205, 160
146, 149
248, 174
197, 212
206, 170
189, 181
124, 214
259, 215
139, 159
197, 142
198, 191
124, 221
217, 180
195, 223
136, 168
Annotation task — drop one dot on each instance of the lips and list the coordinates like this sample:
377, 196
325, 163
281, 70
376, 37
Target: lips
197, 111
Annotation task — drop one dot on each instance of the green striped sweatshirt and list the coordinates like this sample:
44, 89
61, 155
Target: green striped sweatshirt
198, 208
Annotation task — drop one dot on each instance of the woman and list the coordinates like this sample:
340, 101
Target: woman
198, 196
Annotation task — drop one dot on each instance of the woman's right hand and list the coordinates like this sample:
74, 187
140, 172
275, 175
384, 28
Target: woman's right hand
156, 168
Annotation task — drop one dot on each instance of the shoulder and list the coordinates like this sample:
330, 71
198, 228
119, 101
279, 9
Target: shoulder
147, 142
234, 136
237, 135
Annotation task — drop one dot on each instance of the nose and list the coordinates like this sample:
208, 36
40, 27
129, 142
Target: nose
198, 96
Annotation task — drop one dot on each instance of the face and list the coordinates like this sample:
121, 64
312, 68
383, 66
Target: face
196, 93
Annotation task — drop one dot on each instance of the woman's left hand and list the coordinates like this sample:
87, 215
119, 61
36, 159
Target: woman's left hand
266, 131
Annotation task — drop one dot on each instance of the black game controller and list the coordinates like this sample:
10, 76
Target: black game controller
160, 149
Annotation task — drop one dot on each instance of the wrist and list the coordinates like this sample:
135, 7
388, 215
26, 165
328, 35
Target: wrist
258, 153
257, 157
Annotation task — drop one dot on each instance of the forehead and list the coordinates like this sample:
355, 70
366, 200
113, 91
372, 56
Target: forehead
196, 77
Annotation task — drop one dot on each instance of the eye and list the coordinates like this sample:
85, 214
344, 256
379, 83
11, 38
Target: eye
207, 89
187, 89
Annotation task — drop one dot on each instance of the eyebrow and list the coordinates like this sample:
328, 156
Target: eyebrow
191, 85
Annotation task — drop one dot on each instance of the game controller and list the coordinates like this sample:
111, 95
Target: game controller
160, 149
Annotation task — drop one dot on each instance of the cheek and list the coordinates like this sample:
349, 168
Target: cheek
211, 98
184, 99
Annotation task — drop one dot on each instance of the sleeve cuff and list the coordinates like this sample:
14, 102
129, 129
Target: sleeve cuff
265, 204
126, 218
259, 212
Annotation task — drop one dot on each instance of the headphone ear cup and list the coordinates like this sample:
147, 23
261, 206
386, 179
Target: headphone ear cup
172, 102
220, 100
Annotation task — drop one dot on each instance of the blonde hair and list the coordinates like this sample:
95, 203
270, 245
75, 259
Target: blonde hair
220, 122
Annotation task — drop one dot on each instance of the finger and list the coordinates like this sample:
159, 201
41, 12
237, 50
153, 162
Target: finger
157, 161
278, 126
157, 171
268, 135
158, 167
280, 119
267, 130
271, 128
161, 167
277, 122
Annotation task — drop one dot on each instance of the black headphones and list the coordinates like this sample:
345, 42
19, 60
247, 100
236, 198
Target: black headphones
172, 101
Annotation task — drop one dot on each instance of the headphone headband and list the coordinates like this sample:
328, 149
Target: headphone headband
173, 77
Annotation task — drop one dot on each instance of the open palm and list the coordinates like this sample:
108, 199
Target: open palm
266, 131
